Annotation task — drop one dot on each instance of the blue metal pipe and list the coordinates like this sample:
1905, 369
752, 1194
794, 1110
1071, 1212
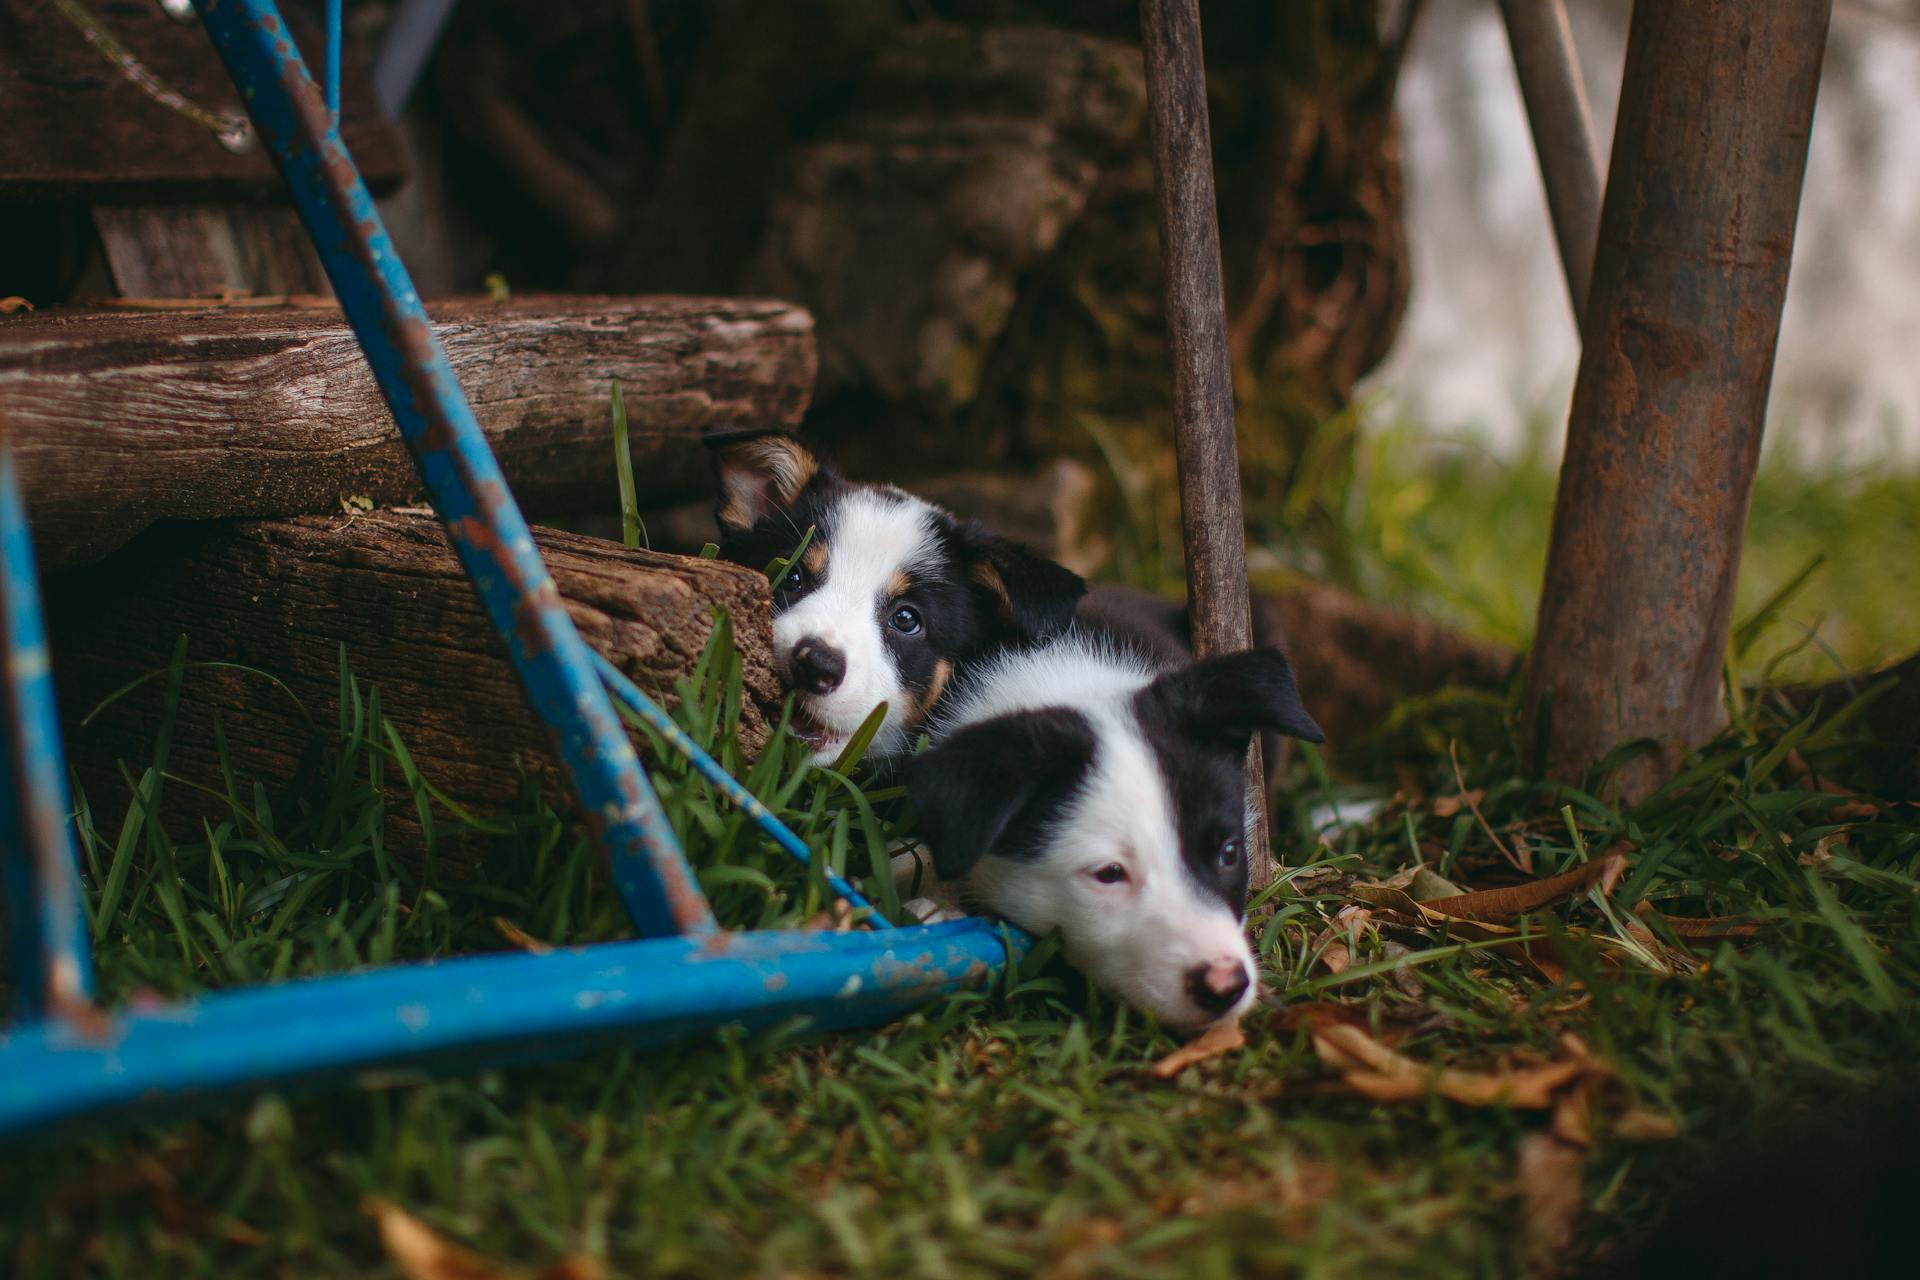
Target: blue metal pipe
459, 471
461, 1013
47, 923
333, 62
628, 694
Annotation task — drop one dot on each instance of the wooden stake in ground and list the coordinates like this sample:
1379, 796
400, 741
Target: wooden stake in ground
1210, 511
1688, 279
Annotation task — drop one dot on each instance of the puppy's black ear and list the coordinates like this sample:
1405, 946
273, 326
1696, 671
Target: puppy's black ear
991, 778
759, 472
1028, 593
1226, 700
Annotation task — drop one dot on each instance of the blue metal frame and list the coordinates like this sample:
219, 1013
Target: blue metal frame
66, 1059
47, 922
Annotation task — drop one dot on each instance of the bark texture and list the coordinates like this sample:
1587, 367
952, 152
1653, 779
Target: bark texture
284, 596
272, 411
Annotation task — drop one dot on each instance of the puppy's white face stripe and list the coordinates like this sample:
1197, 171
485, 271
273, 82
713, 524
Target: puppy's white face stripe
1141, 938
878, 536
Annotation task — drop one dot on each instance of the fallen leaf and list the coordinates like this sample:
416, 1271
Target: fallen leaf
1702, 926
1499, 904
1448, 806
1372, 1069
1336, 943
1216, 1041
1573, 1114
421, 1253
1854, 811
1644, 1125
1548, 1180
520, 937
12, 303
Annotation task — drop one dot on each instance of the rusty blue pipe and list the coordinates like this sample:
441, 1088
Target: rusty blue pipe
46, 915
468, 491
458, 1013
628, 694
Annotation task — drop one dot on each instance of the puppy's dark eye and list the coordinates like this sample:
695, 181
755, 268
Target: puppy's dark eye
795, 578
1229, 855
1112, 873
905, 620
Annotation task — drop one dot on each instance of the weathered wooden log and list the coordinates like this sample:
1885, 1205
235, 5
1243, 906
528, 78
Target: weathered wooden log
1664, 435
284, 596
121, 418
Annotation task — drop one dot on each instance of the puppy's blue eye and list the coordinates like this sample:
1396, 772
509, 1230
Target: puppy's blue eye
1112, 873
905, 620
1229, 855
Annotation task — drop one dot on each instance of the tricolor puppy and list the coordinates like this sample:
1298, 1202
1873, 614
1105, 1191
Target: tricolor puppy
892, 598
1097, 788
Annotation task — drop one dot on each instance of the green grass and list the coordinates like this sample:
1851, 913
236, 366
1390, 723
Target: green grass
1444, 526
1008, 1131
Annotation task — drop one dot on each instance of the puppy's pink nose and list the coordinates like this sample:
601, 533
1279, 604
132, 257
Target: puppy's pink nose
1217, 987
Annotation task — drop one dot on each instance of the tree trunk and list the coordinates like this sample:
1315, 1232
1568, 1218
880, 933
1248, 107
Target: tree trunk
1690, 272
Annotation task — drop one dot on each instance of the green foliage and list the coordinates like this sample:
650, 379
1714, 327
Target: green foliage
1006, 1130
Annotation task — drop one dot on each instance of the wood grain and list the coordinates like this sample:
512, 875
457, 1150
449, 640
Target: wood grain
121, 418
284, 596
1210, 507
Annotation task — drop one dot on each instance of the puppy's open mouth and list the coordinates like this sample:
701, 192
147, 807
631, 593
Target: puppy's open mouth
809, 730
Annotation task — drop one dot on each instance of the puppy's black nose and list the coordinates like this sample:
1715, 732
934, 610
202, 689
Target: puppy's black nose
1217, 987
817, 667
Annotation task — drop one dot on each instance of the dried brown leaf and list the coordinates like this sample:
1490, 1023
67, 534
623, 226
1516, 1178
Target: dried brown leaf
520, 937
421, 1253
1702, 926
1372, 1069
1854, 810
12, 303
1337, 942
1448, 806
1548, 1181
1216, 1041
1488, 905
1642, 1124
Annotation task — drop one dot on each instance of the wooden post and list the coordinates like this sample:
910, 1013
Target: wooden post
1548, 67
1664, 438
1210, 513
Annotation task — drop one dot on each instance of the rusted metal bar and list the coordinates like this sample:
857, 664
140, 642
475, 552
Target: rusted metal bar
46, 915
458, 470
1689, 275
1548, 67
1211, 519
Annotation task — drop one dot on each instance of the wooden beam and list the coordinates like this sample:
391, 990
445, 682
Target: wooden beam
283, 597
121, 418
1691, 269
1209, 464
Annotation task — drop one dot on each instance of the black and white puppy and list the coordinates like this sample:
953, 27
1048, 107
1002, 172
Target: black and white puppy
892, 597
1096, 788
